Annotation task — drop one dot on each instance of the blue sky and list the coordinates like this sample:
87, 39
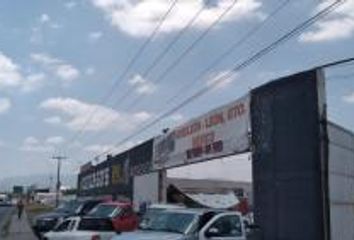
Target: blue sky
58, 58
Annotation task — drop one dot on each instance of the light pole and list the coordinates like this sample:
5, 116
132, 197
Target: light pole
58, 185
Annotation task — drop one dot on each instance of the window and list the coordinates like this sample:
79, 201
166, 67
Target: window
88, 206
127, 212
204, 219
226, 226
64, 226
168, 222
105, 210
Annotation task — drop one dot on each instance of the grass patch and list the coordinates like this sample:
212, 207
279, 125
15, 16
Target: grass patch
36, 209
4, 231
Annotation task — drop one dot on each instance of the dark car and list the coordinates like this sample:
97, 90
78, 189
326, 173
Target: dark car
46, 222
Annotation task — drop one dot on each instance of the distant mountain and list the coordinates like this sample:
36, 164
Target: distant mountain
41, 181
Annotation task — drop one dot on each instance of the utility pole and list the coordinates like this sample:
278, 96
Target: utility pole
58, 185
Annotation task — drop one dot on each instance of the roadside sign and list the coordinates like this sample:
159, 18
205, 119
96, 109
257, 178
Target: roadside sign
221, 132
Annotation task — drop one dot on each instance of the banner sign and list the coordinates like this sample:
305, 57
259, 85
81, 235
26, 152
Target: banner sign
107, 178
221, 132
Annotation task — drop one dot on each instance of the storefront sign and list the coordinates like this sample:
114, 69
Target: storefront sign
221, 132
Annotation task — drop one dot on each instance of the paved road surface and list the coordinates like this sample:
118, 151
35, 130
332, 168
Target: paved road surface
20, 229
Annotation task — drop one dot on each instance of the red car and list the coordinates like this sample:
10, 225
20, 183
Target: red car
122, 214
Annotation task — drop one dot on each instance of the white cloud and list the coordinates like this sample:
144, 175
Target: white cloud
177, 117
94, 36
33, 82
10, 75
142, 86
53, 120
100, 148
90, 71
31, 141
37, 32
58, 67
5, 105
32, 144
44, 18
70, 5
55, 140
55, 26
339, 25
221, 80
45, 59
97, 148
67, 72
139, 18
79, 113
349, 98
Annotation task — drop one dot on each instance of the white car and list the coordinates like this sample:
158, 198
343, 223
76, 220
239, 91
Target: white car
189, 224
83, 228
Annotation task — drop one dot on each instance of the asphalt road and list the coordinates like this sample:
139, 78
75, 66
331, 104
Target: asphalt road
4, 211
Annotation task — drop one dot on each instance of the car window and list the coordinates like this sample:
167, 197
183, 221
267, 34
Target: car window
105, 210
64, 226
93, 224
88, 206
69, 207
204, 219
168, 222
127, 212
226, 226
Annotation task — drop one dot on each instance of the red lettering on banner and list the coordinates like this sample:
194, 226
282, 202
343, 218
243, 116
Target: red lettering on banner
214, 120
236, 111
188, 130
203, 140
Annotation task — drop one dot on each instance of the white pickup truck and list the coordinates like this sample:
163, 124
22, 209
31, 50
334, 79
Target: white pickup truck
188, 224
83, 228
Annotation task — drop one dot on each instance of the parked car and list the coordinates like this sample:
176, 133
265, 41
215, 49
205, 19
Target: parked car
5, 201
156, 208
191, 224
164, 206
122, 214
83, 228
46, 222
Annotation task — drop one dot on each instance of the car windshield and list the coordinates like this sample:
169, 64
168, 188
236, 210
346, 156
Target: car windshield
69, 207
167, 221
105, 210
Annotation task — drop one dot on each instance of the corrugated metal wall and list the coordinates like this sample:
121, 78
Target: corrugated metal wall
341, 182
287, 158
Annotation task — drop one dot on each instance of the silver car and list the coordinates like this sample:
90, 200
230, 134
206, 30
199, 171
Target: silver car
188, 224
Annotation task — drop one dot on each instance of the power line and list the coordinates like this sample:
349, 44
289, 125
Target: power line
172, 43
225, 54
187, 50
341, 62
164, 52
126, 70
175, 63
255, 57
229, 51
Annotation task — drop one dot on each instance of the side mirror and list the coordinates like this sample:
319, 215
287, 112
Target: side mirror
212, 232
